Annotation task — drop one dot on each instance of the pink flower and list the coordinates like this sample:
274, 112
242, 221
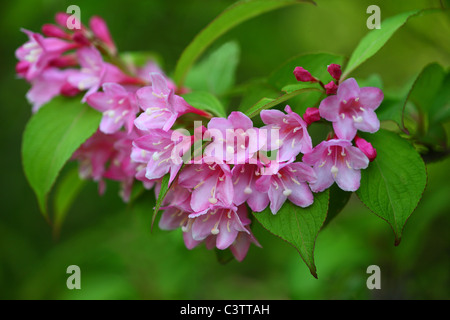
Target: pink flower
47, 85
221, 227
224, 132
37, 53
166, 149
161, 105
290, 182
211, 185
245, 190
119, 107
292, 132
94, 156
352, 109
95, 72
336, 160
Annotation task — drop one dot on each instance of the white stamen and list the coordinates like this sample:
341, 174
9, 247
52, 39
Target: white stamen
230, 149
248, 190
358, 119
334, 170
155, 156
287, 192
212, 200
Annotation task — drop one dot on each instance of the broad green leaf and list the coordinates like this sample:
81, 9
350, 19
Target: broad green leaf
267, 103
65, 193
228, 19
440, 109
50, 138
427, 86
298, 226
375, 40
216, 73
205, 101
393, 184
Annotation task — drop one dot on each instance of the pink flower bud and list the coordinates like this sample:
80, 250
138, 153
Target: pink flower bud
22, 68
335, 71
303, 75
50, 30
61, 19
65, 61
100, 30
366, 148
331, 88
80, 38
311, 115
68, 90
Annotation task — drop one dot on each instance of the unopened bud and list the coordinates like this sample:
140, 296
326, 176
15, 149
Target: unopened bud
335, 71
303, 75
311, 115
331, 88
366, 148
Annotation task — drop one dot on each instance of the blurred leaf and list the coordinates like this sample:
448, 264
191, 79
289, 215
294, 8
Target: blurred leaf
375, 40
440, 109
224, 256
267, 103
393, 184
205, 101
65, 193
338, 200
228, 19
50, 138
298, 226
216, 73
427, 86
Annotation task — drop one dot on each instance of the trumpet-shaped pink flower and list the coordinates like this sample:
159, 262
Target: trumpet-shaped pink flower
47, 85
352, 109
336, 160
119, 107
220, 226
245, 190
95, 72
161, 105
234, 139
166, 150
293, 136
211, 185
38, 52
290, 182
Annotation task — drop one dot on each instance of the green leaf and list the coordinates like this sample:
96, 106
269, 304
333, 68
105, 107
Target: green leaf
267, 103
440, 109
228, 19
393, 184
205, 101
298, 226
162, 194
50, 138
66, 192
375, 40
216, 73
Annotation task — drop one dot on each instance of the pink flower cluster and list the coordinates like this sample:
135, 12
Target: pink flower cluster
212, 183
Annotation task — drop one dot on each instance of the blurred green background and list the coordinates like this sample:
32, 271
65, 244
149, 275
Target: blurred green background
119, 257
